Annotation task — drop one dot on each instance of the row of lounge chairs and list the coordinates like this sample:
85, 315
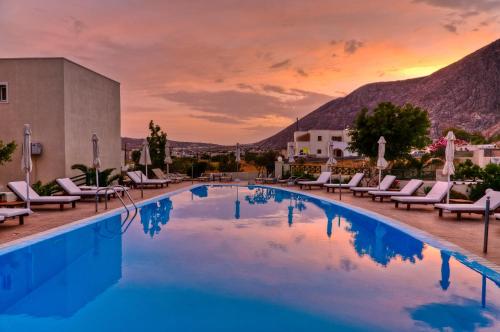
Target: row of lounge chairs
75, 193
405, 196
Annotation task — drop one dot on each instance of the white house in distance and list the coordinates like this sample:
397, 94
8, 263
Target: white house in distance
314, 143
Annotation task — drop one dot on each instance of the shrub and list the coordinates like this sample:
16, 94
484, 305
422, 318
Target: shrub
467, 171
45, 189
491, 179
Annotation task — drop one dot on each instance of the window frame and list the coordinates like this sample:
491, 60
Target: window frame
6, 101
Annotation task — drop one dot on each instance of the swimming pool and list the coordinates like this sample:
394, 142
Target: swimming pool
227, 258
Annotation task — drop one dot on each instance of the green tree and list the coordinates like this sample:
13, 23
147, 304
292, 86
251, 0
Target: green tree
265, 162
403, 127
6, 151
136, 156
157, 140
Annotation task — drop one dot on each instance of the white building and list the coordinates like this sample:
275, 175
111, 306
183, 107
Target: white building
315, 143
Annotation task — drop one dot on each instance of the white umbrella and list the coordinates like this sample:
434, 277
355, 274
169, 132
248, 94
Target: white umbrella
331, 159
449, 168
26, 163
238, 153
291, 153
96, 159
381, 162
145, 156
168, 158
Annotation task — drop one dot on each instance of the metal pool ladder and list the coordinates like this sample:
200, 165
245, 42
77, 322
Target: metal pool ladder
126, 221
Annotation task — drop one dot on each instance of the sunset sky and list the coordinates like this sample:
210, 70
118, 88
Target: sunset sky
227, 71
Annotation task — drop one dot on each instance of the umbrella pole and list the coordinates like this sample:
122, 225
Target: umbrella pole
97, 178
167, 169
142, 187
448, 193
28, 204
340, 185
379, 177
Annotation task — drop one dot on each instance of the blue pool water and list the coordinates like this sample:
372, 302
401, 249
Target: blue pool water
241, 259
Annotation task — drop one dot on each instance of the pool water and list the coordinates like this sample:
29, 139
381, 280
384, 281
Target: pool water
229, 258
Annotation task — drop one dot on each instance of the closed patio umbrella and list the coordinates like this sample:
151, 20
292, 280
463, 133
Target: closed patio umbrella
145, 160
145, 156
381, 162
449, 168
168, 158
238, 156
26, 163
331, 159
96, 159
291, 153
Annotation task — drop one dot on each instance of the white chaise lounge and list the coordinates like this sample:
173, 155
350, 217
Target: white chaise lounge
354, 182
6, 213
385, 184
408, 190
19, 188
70, 188
478, 206
436, 195
139, 178
320, 181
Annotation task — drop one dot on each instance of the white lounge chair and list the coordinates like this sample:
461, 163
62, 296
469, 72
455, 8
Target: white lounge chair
70, 188
19, 188
385, 184
354, 182
320, 181
408, 190
436, 195
497, 216
13, 213
478, 206
139, 178
161, 175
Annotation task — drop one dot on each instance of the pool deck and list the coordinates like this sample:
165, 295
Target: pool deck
467, 233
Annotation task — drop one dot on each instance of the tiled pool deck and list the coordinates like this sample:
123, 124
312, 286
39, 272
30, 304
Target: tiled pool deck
467, 233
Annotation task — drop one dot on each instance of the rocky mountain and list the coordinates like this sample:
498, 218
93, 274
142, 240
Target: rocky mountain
465, 93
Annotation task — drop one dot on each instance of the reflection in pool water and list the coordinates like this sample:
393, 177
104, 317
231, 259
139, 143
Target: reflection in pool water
247, 259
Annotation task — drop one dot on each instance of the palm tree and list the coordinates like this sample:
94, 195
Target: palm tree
105, 176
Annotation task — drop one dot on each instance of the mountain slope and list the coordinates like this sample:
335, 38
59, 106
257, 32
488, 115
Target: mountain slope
465, 93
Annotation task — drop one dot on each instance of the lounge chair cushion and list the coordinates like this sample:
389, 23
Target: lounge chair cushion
354, 182
19, 188
72, 189
385, 184
409, 189
322, 179
436, 195
477, 206
9, 213
136, 178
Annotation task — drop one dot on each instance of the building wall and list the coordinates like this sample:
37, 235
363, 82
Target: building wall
35, 97
92, 105
312, 146
64, 103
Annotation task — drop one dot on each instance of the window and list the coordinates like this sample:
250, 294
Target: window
3, 93
337, 138
320, 138
318, 151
